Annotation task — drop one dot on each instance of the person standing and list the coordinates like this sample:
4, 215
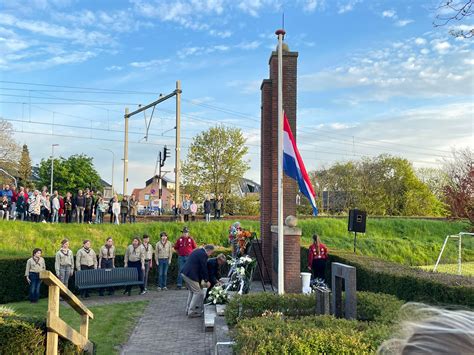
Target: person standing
218, 208
64, 262
4, 208
100, 208
317, 258
186, 208
207, 209
80, 203
164, 253
35, 206
116, 210
86, 259
13, 203
55, 208
133, 204
213, 267
135, 257
184, 247
194, 272
148, 251
7, 192
68, 207
88, 208
193, 208
21, 204
34, 266
107, 260
124, 209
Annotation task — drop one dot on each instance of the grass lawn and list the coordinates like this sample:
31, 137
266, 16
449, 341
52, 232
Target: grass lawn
467, 268
402, 240
109, 329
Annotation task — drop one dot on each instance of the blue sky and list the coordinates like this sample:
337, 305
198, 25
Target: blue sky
373, 76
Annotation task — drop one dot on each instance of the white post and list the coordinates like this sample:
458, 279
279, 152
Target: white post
125, 153
459, 255
281, 268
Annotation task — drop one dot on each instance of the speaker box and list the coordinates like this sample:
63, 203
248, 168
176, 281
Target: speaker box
357, 220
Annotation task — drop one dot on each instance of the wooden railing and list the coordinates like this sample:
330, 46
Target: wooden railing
55, 325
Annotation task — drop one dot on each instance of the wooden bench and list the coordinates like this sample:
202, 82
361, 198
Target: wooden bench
101, 278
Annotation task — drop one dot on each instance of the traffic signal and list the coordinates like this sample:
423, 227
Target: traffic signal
166, 154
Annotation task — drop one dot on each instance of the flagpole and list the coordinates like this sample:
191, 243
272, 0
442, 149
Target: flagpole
281, 268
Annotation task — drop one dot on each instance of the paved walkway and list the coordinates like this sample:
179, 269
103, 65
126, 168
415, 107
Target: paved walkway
164, 328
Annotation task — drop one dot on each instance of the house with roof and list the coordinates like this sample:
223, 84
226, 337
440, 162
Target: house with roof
149, 196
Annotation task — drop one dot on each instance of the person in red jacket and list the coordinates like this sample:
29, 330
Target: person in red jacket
183, 246
317, 258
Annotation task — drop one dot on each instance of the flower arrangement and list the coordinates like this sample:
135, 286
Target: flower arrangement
240, 276
244, 237
218, 295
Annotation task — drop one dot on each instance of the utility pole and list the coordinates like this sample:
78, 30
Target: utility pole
125, 154
178, 145
52, 166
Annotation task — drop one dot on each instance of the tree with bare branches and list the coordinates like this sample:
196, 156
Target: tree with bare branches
455, 10
9, 151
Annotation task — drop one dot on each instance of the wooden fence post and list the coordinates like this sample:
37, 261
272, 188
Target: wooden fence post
53, 311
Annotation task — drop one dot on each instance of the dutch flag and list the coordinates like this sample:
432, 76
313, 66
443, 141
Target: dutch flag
293, 165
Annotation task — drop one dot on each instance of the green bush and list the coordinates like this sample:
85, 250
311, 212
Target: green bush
20, 337
408, 284
254, 304
307, 335
371, 307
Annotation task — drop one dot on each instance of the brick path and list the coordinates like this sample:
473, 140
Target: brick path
165, 329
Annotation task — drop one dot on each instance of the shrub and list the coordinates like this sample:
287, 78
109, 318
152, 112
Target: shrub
20, 337
307, 335
406, 283
371, 307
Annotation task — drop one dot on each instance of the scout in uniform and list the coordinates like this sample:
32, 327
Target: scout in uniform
164, 253
86, 259
135, 257
64, 262
34, 266
107, 260
148, 251
184, 247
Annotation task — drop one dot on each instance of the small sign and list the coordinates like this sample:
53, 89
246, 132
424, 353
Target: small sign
147, 197
153, 191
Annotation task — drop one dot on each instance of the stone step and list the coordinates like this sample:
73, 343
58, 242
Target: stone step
209, 317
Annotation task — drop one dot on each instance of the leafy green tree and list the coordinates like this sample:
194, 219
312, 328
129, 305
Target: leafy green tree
24, 167
71, 174
9, 152
216, 161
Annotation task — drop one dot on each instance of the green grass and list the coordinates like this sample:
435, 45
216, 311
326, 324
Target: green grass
467, 268
406, 241
109, 329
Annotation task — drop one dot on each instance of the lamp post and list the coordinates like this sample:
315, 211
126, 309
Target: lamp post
113, 166
52, 166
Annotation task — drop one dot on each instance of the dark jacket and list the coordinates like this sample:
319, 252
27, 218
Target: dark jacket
196, 266
207, 206
124, 206
80, 201
213, 270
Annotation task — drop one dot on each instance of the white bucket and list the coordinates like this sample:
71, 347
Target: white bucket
305, 281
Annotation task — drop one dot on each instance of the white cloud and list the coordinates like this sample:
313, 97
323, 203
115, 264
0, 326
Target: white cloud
149, 64
220, 34
441, 46
312, 5
246, 86
114, 68
348, 6
389, 14
249, 45
420, 41
403, 23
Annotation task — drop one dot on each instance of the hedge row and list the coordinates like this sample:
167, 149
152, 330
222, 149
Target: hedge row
22, 335
371, 307
266, 324
409, 284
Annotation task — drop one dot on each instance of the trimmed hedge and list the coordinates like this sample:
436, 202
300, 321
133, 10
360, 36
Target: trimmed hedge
23, 335
308, 335
14, 288
409, 284
371, 307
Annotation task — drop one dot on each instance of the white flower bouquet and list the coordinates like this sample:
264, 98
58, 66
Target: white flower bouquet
218, 295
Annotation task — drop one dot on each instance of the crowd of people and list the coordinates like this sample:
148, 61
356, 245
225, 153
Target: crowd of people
194, 265
87, 206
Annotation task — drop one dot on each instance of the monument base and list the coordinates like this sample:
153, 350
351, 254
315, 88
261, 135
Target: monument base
292, 258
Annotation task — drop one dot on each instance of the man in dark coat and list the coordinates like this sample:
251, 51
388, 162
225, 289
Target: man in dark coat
213, 265
193, 272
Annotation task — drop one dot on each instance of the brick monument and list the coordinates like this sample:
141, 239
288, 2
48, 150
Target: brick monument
269, 173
